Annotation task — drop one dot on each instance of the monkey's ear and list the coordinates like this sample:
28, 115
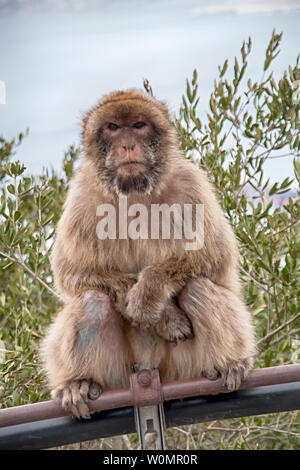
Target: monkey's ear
84, 120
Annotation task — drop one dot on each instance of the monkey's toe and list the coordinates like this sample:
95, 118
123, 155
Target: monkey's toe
236, 373
211, 374
74, 396
94, 391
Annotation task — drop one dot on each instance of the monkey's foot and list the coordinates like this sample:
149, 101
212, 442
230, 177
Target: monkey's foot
236, 373
175, 325
74, 396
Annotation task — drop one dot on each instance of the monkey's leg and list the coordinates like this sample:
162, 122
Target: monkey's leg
85, 349
224, 336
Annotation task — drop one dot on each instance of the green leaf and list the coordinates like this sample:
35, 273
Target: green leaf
11, 189
274, 189
224, 68
17, 215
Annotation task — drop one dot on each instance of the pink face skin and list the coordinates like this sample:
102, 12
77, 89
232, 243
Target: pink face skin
127, 138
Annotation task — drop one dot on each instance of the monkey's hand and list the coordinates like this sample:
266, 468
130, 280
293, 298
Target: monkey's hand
174, 325
146, 300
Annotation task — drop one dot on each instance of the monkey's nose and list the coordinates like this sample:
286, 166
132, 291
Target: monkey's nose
128, 147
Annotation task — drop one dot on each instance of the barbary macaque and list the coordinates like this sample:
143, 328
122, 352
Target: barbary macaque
159, 301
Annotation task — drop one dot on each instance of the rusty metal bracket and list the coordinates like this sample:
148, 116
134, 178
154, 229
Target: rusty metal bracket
147, 400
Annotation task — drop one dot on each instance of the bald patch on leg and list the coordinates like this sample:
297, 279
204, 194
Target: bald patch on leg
95, 310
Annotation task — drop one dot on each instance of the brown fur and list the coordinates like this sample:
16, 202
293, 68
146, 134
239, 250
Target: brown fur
129, 301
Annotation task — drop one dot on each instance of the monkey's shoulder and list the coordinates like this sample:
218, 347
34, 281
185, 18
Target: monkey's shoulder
188, 184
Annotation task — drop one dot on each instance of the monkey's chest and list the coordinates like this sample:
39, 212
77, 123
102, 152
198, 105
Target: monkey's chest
134, 255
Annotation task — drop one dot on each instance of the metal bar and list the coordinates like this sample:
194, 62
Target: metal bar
50, 409
149, 419
172, 390
66, 430
253, 402
149, 423
256, 378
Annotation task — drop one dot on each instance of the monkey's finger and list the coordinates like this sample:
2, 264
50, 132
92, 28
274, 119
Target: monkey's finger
190, 333
127, 316
66, 399
141, 326
82, 409
231, 382
174, 341
78, 405
75, 411
84, 390
235, 374
57, 394
182, 337
75, 392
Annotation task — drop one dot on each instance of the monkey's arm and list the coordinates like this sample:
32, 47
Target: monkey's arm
78, 262
158, 283
73, 278
113, 283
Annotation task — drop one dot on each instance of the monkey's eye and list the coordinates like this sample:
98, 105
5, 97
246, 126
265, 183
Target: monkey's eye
112, 126
139, 124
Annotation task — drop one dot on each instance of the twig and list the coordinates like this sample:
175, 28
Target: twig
287, 335
253, 279
274, 332
284, 228
26, 268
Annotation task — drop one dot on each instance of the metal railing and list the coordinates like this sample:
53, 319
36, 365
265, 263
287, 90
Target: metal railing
46, 424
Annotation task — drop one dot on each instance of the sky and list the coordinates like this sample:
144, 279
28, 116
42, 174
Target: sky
58, 57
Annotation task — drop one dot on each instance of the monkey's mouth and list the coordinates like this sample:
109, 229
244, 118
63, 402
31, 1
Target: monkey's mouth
132, 176
132, 162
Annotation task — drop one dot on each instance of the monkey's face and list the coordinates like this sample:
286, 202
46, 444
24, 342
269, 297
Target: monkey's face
131, 159
124, 136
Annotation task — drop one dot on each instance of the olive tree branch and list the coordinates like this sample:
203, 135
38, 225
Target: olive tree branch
274, 332
21, 263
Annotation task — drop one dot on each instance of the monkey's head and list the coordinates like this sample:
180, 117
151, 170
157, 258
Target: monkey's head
126, 135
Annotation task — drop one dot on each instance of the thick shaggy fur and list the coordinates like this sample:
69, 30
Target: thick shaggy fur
129, 301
